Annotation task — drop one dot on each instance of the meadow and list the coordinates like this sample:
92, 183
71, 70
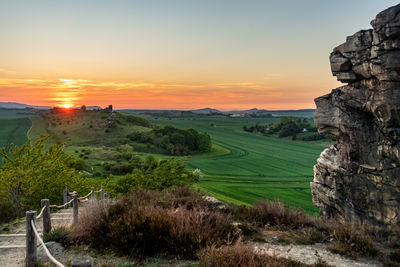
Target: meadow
244, 167
13, 131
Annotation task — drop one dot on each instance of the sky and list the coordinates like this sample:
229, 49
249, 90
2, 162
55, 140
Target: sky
175, 54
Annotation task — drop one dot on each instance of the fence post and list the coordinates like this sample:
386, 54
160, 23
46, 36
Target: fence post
31, 240
75, 208
106, 195
102, 193
46, 216
93, 194
65, 196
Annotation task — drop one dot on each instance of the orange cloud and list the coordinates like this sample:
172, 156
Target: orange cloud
161, 95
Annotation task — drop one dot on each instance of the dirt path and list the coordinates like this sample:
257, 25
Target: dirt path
310, 254
12, 246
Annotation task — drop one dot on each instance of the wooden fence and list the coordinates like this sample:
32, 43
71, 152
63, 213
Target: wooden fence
32, 235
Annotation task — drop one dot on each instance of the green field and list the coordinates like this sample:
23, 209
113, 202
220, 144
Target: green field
14, 131
241, 168
245, 167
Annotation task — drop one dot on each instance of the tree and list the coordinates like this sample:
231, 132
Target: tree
163, 175
30, 173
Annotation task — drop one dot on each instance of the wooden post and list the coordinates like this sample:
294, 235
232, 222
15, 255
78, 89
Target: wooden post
93, 194
75, 211
102, 193
106, 195
31, 240
65, 196
46, 216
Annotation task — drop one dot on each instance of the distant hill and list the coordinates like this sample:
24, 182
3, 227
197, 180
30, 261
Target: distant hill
205, 110
248, 111
13, 105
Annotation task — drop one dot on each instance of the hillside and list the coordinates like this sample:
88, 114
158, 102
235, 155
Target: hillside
13, 105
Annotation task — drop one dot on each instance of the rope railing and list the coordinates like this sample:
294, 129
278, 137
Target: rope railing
86, 195
56, 262
32, 234
41, 213
61, 206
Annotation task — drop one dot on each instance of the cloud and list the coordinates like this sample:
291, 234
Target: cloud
139, 94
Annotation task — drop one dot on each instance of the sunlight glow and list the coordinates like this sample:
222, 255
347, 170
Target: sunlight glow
67, 105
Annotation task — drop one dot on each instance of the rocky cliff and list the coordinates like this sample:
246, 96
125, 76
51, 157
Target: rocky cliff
358, 179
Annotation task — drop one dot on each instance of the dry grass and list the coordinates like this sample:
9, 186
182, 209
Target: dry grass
272, 214
243, 256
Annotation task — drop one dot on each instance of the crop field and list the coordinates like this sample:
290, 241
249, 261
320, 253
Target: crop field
245, 167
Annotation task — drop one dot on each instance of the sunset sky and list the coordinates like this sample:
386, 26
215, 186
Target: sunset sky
170, 54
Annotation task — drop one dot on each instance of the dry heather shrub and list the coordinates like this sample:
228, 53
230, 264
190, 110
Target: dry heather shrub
351, 239
139, 225
240, 255
278, 214
89, 219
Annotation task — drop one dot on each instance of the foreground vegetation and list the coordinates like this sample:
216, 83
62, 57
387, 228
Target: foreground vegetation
30, 173
184, 224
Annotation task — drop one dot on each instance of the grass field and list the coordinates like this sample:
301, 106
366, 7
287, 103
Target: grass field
241, 168
6, 114
244, 167
14, 131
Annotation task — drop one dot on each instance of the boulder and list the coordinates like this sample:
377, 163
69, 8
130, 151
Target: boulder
358, 178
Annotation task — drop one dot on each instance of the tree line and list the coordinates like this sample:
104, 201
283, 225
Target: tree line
175, 141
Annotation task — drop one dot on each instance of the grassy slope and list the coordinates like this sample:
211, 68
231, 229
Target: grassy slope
245, 167
13, 131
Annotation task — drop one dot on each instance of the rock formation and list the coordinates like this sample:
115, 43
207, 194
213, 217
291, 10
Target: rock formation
358, 179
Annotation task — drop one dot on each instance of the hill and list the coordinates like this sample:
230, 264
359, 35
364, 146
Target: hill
13, 105
205, 110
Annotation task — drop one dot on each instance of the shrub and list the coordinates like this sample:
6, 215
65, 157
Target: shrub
155, 176
58, 234
310, 236
277, 214
7, 212
240, 255
30, 173
395, 256
349, 239
141, 225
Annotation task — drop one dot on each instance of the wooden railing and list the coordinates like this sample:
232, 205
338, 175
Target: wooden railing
32, 235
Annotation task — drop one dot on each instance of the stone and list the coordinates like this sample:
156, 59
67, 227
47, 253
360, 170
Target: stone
84, 262
56, 250
358, 178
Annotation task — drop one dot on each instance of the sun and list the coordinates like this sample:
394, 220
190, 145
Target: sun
67, 105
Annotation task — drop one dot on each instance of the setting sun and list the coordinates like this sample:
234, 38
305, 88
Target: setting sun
67, 105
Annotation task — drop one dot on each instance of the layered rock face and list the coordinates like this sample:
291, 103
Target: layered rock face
358, 179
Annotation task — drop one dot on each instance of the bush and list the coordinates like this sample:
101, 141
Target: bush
30, 173
7, 212
155, 176
142, 224
350, 240
58, 234
240, 255
272, 214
